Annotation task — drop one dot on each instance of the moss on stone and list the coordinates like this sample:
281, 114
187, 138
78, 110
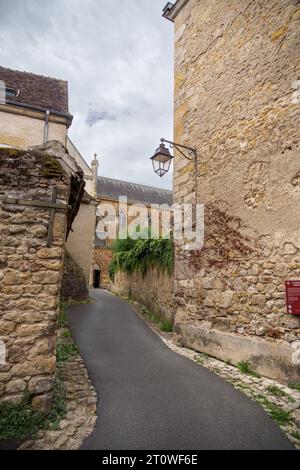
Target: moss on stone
11, 152
50, 166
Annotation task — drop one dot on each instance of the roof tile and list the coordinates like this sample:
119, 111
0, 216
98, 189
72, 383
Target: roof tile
111, 188
37, 90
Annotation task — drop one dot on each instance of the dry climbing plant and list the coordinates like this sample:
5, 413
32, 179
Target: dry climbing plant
223, 242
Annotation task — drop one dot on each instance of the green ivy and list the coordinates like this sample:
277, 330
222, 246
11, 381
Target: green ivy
140, 255
19, 420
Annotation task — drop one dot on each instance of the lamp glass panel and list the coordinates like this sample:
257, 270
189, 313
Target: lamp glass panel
161, 157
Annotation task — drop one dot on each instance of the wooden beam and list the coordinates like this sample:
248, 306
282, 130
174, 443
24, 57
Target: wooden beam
42, 204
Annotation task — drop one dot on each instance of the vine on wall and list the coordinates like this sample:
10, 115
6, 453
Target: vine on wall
139, 255
223, 242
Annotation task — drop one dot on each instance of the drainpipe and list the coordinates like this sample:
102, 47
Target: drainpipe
46, 127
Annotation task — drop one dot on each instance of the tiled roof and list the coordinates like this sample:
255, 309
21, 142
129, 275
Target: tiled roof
111, 188
37, 90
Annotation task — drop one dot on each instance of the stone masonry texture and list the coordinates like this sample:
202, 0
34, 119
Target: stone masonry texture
237, 100
154, 289
102, 258
73, 283
30, 272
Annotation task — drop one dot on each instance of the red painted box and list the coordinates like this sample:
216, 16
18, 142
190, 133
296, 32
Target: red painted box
293, 297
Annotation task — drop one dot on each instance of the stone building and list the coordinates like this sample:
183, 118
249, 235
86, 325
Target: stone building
237, 101
35, 111
81, 239
108, 191
39, 198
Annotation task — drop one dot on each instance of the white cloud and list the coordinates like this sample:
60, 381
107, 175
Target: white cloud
117, 56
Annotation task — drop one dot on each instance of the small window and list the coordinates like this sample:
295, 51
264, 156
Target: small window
11, 93
122, 220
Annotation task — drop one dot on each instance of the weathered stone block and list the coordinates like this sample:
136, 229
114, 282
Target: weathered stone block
6, 327
273, 359
50, 253
15, 278
40, 365
46, 277
16, 386
42, 402
39, 385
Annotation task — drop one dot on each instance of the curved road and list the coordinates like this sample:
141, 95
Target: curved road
151, 398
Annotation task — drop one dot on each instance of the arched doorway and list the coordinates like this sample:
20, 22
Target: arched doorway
96, 277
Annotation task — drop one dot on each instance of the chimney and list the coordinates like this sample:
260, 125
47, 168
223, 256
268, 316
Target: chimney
95, 166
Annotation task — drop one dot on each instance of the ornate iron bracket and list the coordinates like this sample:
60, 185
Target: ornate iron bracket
192, 153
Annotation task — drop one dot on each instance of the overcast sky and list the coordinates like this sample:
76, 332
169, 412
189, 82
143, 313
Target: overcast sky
117, 56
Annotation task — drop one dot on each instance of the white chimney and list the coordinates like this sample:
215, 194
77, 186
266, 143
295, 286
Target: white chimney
95, 166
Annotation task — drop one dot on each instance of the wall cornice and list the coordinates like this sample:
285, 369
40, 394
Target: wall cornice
170, 12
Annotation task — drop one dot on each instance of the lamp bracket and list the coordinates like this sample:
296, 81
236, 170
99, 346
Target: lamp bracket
192, 153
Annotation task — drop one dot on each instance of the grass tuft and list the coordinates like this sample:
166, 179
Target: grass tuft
277, 413
65, 351
276, 391
246, 368
166, 326
295, 386
62, 316
198, 358
296, 435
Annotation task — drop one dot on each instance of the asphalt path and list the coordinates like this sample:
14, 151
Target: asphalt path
151, 398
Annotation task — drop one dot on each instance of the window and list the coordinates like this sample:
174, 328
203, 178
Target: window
101, 238
11, 93
122, 220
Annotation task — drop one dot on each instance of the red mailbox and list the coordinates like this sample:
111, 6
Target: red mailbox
293, 297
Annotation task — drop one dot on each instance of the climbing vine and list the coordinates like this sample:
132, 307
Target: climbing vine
139, 255
223, 240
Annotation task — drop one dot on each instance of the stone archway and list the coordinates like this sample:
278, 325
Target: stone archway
102, 259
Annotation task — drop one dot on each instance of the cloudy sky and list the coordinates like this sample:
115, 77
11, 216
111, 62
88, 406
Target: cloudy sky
117, 56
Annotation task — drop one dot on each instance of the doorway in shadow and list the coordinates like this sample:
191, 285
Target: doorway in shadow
97, 278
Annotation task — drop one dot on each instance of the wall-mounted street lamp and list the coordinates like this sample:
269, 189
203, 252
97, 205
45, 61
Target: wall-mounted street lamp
162, 157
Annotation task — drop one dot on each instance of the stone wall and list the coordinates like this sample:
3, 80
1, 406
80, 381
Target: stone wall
155, 290
237, 99
24, 128
73, 283
80, 241
30, 271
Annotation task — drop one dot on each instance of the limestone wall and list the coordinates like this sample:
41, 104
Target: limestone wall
80, 241
30, 272
155, 290
237, 99
73, 283
23, 128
